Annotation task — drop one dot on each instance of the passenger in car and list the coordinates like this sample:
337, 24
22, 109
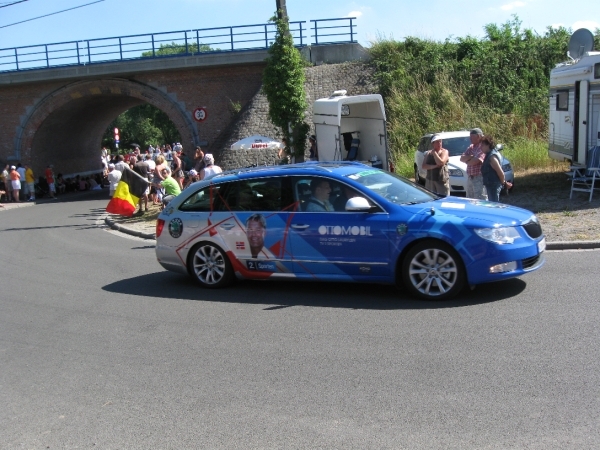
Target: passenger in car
319, 200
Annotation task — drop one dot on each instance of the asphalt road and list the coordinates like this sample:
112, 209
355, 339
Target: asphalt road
101, 348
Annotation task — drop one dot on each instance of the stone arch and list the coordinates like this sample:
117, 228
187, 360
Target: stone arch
65, 128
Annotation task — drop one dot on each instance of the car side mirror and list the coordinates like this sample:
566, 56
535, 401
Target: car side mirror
358, 204
499, 147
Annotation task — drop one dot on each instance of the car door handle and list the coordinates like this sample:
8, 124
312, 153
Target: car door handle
227, 226
300, 226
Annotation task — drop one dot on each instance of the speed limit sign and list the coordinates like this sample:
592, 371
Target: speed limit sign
200, 114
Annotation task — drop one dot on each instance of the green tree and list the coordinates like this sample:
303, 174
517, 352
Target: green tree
175, 49
143, 125
283, 84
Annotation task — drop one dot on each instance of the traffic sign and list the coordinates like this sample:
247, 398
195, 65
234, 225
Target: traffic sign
200, 114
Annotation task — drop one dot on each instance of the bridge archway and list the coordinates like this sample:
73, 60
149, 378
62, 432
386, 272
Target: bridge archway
65, 128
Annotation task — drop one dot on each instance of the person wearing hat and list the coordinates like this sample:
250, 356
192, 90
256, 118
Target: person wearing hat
210, 169
314, 153
436, 164
192, 177
473, 157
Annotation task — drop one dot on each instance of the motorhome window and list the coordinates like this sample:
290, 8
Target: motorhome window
597, 70
562, 101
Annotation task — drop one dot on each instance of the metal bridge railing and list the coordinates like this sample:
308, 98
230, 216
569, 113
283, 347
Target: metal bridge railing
172, 43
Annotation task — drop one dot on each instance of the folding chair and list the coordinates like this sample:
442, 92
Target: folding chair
584, 177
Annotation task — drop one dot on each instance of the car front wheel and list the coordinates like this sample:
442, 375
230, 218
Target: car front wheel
210, 266
432, 270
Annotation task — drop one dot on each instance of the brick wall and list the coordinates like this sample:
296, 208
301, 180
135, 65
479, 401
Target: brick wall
63, 122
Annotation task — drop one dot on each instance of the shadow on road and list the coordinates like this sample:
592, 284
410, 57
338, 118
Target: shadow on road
282, 294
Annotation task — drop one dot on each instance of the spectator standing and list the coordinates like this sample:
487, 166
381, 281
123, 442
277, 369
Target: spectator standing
473, 157
30, 180
121, 165
15, 180
49, 174
114, 176
198, 159
161, 164
491, 170
24, 190
314, 153
141, 168
436, 164
210, 169
5, 182
176, 167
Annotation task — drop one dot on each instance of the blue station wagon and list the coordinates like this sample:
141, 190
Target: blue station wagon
343, 221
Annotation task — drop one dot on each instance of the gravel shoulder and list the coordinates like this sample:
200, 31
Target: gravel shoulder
544, 193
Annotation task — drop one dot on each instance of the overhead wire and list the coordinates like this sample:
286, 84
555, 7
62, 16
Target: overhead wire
51, 14
4, 5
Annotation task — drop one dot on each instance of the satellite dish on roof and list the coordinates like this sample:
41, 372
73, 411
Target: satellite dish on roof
581, 41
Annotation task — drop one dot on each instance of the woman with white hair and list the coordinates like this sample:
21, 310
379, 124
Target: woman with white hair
209, 169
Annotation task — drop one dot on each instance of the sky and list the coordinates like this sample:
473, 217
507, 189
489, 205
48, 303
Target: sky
376, 19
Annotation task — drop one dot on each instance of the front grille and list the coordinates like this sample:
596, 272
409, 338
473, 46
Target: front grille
533, 228
528, 263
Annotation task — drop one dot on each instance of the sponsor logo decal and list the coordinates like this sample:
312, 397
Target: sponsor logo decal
337, 230
263, 266
401, 229
175, 228
240, 245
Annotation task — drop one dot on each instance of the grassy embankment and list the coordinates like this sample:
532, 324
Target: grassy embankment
498, 83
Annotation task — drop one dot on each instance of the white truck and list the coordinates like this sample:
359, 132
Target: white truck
352, 128
575, 101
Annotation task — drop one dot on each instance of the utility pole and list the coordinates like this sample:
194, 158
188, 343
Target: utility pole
281, 9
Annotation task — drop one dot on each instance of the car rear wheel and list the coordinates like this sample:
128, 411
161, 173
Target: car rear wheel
210, 266
432, 270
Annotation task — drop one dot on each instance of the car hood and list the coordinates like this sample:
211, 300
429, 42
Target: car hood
474, 213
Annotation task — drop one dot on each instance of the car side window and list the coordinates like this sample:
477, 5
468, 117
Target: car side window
201, 200
423, 145
319, 194
256, 195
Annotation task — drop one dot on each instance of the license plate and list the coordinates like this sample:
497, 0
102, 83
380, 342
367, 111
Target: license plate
542, 245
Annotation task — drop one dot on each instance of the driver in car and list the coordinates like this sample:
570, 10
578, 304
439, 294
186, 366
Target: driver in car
319, 200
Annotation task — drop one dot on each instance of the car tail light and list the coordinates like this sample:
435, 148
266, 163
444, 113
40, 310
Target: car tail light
160, 224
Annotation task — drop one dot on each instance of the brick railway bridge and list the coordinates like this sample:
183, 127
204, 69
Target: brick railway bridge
58, 113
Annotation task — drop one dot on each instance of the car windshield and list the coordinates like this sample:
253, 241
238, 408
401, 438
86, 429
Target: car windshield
392, 187
456, 146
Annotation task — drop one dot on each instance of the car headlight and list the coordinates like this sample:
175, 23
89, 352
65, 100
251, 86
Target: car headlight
455, 172
506, 167
502, 235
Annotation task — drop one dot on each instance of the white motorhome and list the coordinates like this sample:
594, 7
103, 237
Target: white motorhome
575, 101
352, 128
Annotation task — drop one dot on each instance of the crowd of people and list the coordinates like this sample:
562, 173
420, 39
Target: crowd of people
168, 170
485, 177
